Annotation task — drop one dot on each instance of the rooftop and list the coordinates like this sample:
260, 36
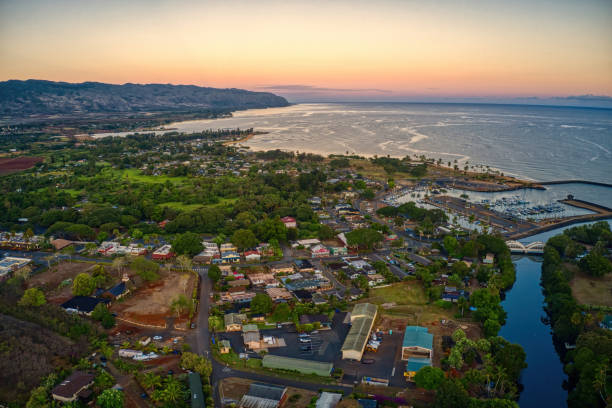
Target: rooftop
417, 336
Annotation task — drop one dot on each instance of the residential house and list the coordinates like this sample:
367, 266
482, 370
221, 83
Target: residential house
319, 251
289, 222
233, 321
263, 279
250, 336
281, 268
224, 347
230, 257
262, 395
252, 256
228, 247
82, 304
489, 259
304, 265
279, 294
74, 387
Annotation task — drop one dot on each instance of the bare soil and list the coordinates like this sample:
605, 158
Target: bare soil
150, 304
50, 280
12, 165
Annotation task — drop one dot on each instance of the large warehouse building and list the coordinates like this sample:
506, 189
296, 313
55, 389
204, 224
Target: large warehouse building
362, 321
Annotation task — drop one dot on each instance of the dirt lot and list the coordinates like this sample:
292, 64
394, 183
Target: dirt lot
150, 304
589, 290
12, 165
234, 388
51, 279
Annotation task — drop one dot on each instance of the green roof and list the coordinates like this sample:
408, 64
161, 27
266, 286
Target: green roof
362, 320
195, 386
297, 364
417, 336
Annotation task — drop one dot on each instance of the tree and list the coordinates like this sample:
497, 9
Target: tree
103, 315
33, 297
110, 398
364, 237
119, 263
184, 262
151, 381
214, 273
146, 269
188, 243
244, 238
172, 393
450, 245
83, 285
261, 303
282, 312
180, 305
429, 378
450, 394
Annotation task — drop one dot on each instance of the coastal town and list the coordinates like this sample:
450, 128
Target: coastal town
182, 270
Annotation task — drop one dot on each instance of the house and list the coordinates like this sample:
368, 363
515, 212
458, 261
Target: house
251, 256
116, 292
230, 257
289, 222
82, 304
338, 250
263, 279
210, 252
74, 387
489, 259
304, 265
322, 319
233, 321
417, 348
163, 253
307, 243
281, 268
250, 336
328, 400
303, 296
262, 395
319, 251
238, 283
11, 264
228, 247
279, 294
224, 347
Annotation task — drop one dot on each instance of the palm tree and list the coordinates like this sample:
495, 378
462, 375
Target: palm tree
462, 303
151, 381
173, 391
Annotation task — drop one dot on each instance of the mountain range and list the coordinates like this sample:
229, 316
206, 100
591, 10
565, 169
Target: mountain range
20, 99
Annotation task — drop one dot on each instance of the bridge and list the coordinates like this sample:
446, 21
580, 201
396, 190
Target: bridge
517, 247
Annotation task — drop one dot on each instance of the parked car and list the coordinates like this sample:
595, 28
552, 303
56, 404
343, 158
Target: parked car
368, 361
306, 348
193, 325
157, 337
305, 340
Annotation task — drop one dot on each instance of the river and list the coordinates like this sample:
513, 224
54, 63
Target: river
524, 303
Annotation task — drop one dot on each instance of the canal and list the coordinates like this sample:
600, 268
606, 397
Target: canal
524, 304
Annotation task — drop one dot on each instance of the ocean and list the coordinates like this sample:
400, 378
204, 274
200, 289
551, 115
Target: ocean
540, 143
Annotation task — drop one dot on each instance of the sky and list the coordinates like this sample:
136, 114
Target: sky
318, 50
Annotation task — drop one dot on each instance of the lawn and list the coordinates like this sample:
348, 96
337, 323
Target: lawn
368, 169
402, 293
588, 290
135, 175
190, 207
409, 301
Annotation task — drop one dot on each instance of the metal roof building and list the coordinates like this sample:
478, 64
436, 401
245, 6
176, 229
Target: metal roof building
362, 321
297, 364
262, 395
418, 342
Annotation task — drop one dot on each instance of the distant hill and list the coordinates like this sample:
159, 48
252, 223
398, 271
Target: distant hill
20, 99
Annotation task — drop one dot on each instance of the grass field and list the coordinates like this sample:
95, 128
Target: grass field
589, 290
410, 301
190, 207
367, 169
136, 176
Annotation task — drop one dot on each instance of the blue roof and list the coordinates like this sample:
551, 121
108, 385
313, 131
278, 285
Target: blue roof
416, 363
417, 336
118, 289
367, 403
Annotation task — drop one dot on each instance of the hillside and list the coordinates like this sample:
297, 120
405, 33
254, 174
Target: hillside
20, 99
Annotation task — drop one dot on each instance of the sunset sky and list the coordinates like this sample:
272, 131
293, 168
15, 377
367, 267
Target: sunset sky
383, 50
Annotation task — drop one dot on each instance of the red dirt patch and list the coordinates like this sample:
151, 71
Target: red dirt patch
12, 165
150, 304
50, 280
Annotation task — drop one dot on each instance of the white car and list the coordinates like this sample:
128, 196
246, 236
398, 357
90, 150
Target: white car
157, 338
